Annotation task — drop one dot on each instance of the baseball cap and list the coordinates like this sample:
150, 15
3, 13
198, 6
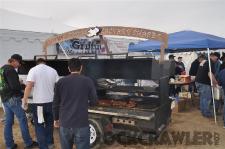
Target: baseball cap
17, 57
171, 56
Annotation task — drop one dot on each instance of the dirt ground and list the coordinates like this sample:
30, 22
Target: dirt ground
188, 122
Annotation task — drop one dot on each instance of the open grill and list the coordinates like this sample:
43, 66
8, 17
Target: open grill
146, 108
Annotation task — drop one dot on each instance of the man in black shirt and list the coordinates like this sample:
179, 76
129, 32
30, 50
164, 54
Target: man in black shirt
194, 69
11, 98
73, 95
195, 64
203, 84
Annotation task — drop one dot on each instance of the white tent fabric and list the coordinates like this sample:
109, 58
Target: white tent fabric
15, 21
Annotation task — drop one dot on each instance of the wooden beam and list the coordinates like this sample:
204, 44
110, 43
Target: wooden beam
112, 30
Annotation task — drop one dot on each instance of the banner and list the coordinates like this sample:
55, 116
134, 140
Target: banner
81, 46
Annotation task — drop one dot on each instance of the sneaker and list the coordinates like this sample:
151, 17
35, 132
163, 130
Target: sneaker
14, 146
2, 120
33, 145
224, 127
51, 146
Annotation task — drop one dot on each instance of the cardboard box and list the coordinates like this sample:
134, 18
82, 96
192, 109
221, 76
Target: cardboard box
182, 105
185, 78
196, 101
185, 95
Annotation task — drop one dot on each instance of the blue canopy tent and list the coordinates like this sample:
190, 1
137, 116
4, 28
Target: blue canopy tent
180, 41
185, 41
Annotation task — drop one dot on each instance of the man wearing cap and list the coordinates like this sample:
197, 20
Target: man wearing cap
203, 84
180, 64
12, 102
177, 69
173, 91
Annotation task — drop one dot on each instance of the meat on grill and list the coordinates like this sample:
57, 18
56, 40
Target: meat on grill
117, 103
105, 102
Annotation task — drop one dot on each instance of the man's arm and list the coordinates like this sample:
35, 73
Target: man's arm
29, 85
27, 92
213, 79
92, 94
56, 105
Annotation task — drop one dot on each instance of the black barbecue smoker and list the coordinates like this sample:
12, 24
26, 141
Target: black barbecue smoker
126, 107
133, 93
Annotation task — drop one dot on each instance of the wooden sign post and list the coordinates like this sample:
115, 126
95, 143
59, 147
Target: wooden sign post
111, 30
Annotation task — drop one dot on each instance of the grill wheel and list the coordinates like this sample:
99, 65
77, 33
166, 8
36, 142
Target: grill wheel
96, 133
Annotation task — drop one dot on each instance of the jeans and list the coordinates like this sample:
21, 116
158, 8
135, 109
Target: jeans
44, 131
217, 105
78, 136
13, 106
205, 94
192, 88
172, 90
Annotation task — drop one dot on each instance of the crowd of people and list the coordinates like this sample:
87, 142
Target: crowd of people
61, 103
203, 83
203, 75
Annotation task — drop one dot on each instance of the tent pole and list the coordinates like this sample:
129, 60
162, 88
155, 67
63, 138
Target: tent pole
67, 57
210, 70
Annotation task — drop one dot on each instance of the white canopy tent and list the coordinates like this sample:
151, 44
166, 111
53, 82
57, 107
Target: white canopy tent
16, 21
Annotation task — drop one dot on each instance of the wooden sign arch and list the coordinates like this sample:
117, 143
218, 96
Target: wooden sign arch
111, 30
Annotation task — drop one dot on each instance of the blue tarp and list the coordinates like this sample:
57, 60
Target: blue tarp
181, 40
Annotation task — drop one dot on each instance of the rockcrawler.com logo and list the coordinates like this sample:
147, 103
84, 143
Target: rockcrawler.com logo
169, 138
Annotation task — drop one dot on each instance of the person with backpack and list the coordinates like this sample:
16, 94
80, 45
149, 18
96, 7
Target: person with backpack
11, 95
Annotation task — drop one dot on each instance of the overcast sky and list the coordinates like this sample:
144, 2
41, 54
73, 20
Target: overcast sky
164, 15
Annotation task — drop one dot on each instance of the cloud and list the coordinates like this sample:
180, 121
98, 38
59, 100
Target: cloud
163, 15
